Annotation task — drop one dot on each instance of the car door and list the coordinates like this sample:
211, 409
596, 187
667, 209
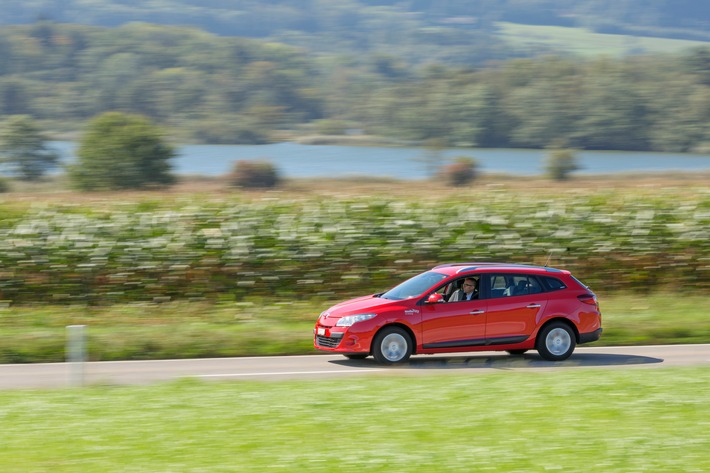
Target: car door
454, 324
516, 302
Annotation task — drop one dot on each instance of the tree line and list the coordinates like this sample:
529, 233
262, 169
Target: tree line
206, 88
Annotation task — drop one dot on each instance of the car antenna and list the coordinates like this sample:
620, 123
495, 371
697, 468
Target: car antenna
549, 255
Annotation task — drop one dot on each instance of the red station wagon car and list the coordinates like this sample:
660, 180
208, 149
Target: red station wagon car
512, 308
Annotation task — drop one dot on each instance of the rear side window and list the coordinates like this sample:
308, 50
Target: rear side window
553, 284
498, 282
506, 285
498, 285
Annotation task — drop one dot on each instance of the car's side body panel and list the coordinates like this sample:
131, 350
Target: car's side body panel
455, 324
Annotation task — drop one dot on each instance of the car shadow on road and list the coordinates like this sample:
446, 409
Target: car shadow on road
503, 361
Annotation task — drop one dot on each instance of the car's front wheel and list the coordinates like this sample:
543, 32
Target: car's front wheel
392, 345
556, 342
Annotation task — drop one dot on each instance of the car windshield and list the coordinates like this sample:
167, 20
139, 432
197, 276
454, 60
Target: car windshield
415, 286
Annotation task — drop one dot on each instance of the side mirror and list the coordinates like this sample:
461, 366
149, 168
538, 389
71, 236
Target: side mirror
435, 298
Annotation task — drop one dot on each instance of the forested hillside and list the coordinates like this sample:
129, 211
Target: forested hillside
463, 32
182, 78
363, 21
670, 18
253, 71
235, 90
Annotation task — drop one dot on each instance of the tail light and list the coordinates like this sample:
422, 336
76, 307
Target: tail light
590, 299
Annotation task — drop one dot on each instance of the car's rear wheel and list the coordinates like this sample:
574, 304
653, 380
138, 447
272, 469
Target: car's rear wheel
556, 342
356, 356
392, 345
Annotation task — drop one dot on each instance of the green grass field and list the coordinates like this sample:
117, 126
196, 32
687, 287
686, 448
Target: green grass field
586, 43
645, 420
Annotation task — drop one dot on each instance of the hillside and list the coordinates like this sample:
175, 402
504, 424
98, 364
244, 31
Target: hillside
465, 73
207, 88
463, 32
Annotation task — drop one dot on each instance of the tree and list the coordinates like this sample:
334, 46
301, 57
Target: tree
23, 149
615, 115
254, 174
559, 163
544, 111
14, 97
462, 171
121, 151
698, 63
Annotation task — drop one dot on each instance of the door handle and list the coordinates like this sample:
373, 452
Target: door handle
532, 306
477, 312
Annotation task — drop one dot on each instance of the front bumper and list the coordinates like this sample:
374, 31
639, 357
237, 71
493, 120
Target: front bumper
331, 342
347, 341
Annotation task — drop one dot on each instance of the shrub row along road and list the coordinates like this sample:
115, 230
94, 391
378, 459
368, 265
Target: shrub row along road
52, 375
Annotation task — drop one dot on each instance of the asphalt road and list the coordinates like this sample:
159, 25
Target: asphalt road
52, 375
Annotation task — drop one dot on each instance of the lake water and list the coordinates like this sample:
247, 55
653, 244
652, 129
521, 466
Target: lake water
296, 160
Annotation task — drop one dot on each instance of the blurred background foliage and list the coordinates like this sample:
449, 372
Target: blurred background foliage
254, 72
23, 149
227, 249
121, 151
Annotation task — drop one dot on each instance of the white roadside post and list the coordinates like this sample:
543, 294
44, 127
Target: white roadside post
76, 353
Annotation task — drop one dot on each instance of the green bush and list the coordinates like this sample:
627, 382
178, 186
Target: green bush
461, 172
559, 163
254, 174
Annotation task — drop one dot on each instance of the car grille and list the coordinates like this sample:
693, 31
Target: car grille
327, 342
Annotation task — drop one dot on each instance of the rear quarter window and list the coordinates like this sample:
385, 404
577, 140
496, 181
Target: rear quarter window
553, 284
580, 283
511, 284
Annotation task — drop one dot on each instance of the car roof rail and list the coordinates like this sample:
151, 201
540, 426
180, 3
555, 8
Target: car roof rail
470, 263
475, 265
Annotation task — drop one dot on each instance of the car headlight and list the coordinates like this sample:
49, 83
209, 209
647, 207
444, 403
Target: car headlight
352, 319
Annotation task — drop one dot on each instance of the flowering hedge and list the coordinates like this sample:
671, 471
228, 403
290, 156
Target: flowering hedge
225, 249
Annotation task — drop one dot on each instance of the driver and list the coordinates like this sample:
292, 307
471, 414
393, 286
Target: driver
468, 292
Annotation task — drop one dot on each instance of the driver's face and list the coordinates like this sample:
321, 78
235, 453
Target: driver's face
469, 286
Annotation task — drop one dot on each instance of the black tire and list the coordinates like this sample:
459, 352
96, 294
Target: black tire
556, 342
356, 356
517, 352
392, 345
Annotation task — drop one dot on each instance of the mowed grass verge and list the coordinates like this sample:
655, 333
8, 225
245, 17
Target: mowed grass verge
281, 327
573, 421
